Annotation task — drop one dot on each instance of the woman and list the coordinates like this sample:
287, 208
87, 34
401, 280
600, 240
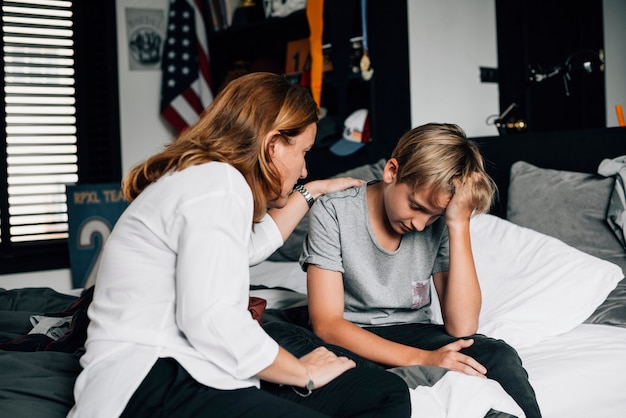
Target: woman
170, 333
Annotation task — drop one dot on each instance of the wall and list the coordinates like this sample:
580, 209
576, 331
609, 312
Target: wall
614, 36
445, 82
142, 130
449, 40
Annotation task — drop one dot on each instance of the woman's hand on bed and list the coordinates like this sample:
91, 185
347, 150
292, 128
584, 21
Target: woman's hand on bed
324, 365
450, 357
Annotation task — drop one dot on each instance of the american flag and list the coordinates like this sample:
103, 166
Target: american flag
186, 84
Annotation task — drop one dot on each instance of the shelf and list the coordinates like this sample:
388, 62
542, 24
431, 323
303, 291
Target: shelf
295, 22
262, 46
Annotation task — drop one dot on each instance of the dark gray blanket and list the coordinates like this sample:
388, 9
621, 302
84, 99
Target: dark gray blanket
37, 384
36, 381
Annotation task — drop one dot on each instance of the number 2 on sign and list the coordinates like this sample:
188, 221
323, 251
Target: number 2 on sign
87, 233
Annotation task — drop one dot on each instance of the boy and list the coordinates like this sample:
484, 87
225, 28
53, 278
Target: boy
372, 250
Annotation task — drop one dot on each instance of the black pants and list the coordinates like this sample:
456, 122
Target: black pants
501, 360
169, 391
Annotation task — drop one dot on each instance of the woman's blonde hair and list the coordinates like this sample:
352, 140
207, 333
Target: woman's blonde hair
435, 155
233, 130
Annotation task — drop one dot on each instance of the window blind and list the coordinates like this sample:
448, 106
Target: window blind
40, 119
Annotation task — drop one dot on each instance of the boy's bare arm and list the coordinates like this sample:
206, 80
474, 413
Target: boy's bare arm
458, 289
326, 306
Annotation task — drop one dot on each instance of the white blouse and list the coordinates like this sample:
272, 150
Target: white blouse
174, 282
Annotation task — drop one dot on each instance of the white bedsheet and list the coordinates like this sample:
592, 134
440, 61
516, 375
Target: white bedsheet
284, 282
272, 274
457, 395
580, 374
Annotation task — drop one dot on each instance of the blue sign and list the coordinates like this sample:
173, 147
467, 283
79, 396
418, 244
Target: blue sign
92, 211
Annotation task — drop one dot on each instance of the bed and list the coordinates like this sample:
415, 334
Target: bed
549, 261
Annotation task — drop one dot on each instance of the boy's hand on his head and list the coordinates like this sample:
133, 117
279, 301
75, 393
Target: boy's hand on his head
461, 205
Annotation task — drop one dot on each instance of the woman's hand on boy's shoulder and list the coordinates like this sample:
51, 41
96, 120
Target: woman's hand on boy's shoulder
322, 187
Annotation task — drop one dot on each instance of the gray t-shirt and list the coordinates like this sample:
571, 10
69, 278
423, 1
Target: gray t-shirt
381, 287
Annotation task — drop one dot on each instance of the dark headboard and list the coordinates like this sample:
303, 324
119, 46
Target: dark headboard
580, 150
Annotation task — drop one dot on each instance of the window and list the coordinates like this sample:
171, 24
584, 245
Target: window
49, 121
40, 118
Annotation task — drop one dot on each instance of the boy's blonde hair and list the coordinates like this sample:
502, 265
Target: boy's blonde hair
436, 154
233, 130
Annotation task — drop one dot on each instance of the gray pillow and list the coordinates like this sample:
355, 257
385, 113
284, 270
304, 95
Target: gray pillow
572, 207
568, 205
290, 250
613, 309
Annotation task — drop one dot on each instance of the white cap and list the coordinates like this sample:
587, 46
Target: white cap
356, 133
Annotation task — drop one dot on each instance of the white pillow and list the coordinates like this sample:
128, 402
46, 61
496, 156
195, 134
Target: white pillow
279, 274
533, 286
